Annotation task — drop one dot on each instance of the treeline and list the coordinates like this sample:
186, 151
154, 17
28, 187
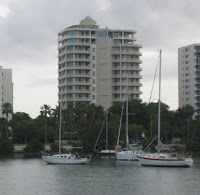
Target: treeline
87, 119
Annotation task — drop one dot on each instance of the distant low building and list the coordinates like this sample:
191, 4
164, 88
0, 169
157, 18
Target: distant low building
6, 89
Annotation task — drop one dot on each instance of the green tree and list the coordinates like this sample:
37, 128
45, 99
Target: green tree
186, 114
25, 130
6, 147
3, 128
34, 146
7, 109
45, 112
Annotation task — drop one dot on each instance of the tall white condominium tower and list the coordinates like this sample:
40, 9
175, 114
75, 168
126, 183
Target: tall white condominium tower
189, 77
6, 88
94, 62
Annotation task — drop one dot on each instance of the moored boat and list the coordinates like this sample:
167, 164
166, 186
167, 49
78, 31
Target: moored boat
166, 160
163, 159
67, 159
127, 154
105, 153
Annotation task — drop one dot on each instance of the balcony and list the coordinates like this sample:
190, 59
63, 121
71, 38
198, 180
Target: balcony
73, 51
131, 68
127, 52
134, 84
125, 76
82, 59
116, 67
65, 37
82, 67
62, 77
82, 99
75, 43
82, 75
124, 91
61, 61
83, 91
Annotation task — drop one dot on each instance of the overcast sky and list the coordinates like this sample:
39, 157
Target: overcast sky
28, 41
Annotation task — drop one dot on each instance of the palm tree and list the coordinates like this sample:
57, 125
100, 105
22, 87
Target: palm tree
7, 109
45, 112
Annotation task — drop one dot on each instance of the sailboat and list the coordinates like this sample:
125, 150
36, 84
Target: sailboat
67, 159
105, 152
159, 158
127, 155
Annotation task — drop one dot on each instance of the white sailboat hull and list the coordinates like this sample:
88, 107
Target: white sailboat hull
128, 155
65, 161
164, 162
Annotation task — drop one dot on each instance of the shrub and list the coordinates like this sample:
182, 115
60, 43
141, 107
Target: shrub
6, 147
34, 146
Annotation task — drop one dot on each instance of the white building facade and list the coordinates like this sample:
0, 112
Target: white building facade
6, 88
189, 77
94, 62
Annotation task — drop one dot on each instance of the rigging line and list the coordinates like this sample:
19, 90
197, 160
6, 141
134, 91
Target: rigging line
120, 125
74, 128
99, 133
153, 81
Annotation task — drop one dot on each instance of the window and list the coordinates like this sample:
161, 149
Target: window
71, 56
197, 48
71, 40
102, 33
71, 33
71, 64
117, 42
93, 57
93, 88
93, 49
93, 97
93, 41
197, 54
93, 81
186, 56
187, 49
70, 48
93, 65
186, 62
70, 72
93, 73
117, 34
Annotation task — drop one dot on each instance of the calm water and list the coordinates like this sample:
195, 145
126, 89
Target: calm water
29, 176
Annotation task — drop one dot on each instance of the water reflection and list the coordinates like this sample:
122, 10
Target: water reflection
30, 175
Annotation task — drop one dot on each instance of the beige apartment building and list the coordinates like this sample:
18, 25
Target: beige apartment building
189, 77
94, 62
6, 88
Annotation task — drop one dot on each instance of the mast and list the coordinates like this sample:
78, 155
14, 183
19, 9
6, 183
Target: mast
60, 126
159, 104
106, 130
127, 141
